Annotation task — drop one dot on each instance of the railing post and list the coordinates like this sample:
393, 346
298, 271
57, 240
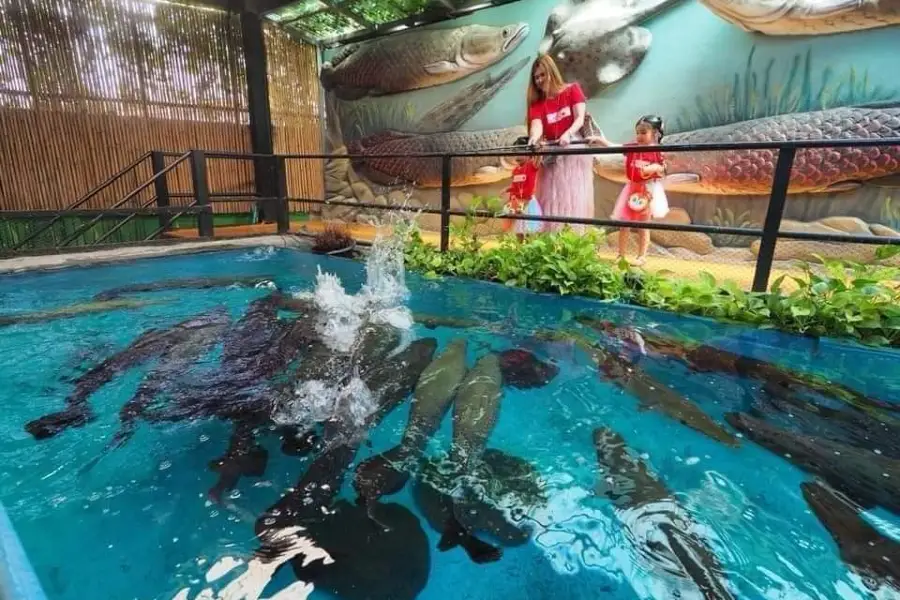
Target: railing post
158, 163
445, 202
773, 218
201, 193
282, 211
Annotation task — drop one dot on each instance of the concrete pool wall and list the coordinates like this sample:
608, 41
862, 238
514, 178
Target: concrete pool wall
86, 258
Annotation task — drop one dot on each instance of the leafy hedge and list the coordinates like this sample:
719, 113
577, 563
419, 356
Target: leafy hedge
847, 300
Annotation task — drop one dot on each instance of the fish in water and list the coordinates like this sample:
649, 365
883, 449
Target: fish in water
418, 59
72, 311
869, 478
426, 172
815, 170
597, 42
388, 472
865, 550
656, 395
199, 283
806, 17
649, 510
502, 477
243, 458
524, 370
150, 344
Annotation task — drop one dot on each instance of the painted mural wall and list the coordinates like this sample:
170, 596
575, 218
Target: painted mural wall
714, 69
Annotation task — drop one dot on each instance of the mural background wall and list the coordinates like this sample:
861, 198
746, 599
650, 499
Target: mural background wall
699, 71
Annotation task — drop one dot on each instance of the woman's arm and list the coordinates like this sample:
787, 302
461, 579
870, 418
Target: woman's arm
536, 132
577, 124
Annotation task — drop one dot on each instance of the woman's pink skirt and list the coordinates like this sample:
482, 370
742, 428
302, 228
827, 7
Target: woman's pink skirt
566, 189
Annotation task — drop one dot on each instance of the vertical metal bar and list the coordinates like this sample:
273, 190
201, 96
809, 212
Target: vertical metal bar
254, 47
280, 170
158, 163
773, 218
445, 202
201, 193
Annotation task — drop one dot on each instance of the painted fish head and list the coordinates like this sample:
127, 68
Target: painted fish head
483, 45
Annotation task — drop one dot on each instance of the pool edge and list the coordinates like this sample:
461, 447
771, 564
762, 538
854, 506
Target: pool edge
18, 581
82, 258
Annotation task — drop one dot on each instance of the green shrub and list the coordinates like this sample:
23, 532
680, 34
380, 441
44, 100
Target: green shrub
844, 300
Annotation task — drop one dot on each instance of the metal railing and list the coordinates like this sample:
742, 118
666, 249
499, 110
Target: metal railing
275, 164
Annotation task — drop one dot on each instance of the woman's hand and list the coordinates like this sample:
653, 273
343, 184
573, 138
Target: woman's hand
564, 139
598, 140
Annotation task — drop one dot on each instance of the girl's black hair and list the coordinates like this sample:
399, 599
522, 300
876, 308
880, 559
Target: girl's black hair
654, 121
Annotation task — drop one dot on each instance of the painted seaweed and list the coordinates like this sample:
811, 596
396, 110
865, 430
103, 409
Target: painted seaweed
755, 94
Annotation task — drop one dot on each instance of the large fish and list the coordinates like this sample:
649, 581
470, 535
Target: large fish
426, 172
820, 170
597, 42
806, 17
862, 547
418, 59
151, 344
869, 478
386, 473
646, 507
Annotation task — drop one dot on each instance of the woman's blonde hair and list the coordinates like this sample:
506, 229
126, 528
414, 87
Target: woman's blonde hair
554, 78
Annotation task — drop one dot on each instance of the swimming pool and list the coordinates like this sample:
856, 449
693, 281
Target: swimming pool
139, 522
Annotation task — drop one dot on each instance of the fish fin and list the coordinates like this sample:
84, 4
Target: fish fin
680, 178
441, 67
55, 423
889, 181
877, 104
633, 44
479, 551
452, 535
843, 186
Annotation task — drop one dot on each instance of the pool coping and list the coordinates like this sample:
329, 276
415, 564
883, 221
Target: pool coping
52, 262
18, 581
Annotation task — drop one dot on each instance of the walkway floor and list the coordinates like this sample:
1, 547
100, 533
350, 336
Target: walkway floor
739, 272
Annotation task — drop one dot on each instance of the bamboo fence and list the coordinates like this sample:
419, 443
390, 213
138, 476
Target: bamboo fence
88, 86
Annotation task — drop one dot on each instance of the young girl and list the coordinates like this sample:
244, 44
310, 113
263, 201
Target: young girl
521, 193
643, 196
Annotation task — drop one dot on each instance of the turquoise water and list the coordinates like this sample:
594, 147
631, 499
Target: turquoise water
139, 524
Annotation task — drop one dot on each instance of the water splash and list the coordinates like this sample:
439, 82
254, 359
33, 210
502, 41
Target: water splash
344, 397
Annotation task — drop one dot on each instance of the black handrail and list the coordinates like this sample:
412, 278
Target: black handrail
81, 230
123, 222
96, 190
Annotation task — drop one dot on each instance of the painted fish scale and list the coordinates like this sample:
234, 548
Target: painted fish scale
426, 172
752, 171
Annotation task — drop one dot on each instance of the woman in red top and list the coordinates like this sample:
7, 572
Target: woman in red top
643, 196
556, 113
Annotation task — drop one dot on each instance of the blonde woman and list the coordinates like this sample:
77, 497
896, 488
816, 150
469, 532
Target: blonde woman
556, 113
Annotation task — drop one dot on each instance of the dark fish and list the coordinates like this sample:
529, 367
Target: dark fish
861, 546
630, 485
522, 369
244, 458
74, 310
387, 473
150, 344
868, 478
199, 283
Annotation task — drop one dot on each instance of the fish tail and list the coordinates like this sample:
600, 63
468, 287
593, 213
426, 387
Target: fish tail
479, 551
377, 476
55, 423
